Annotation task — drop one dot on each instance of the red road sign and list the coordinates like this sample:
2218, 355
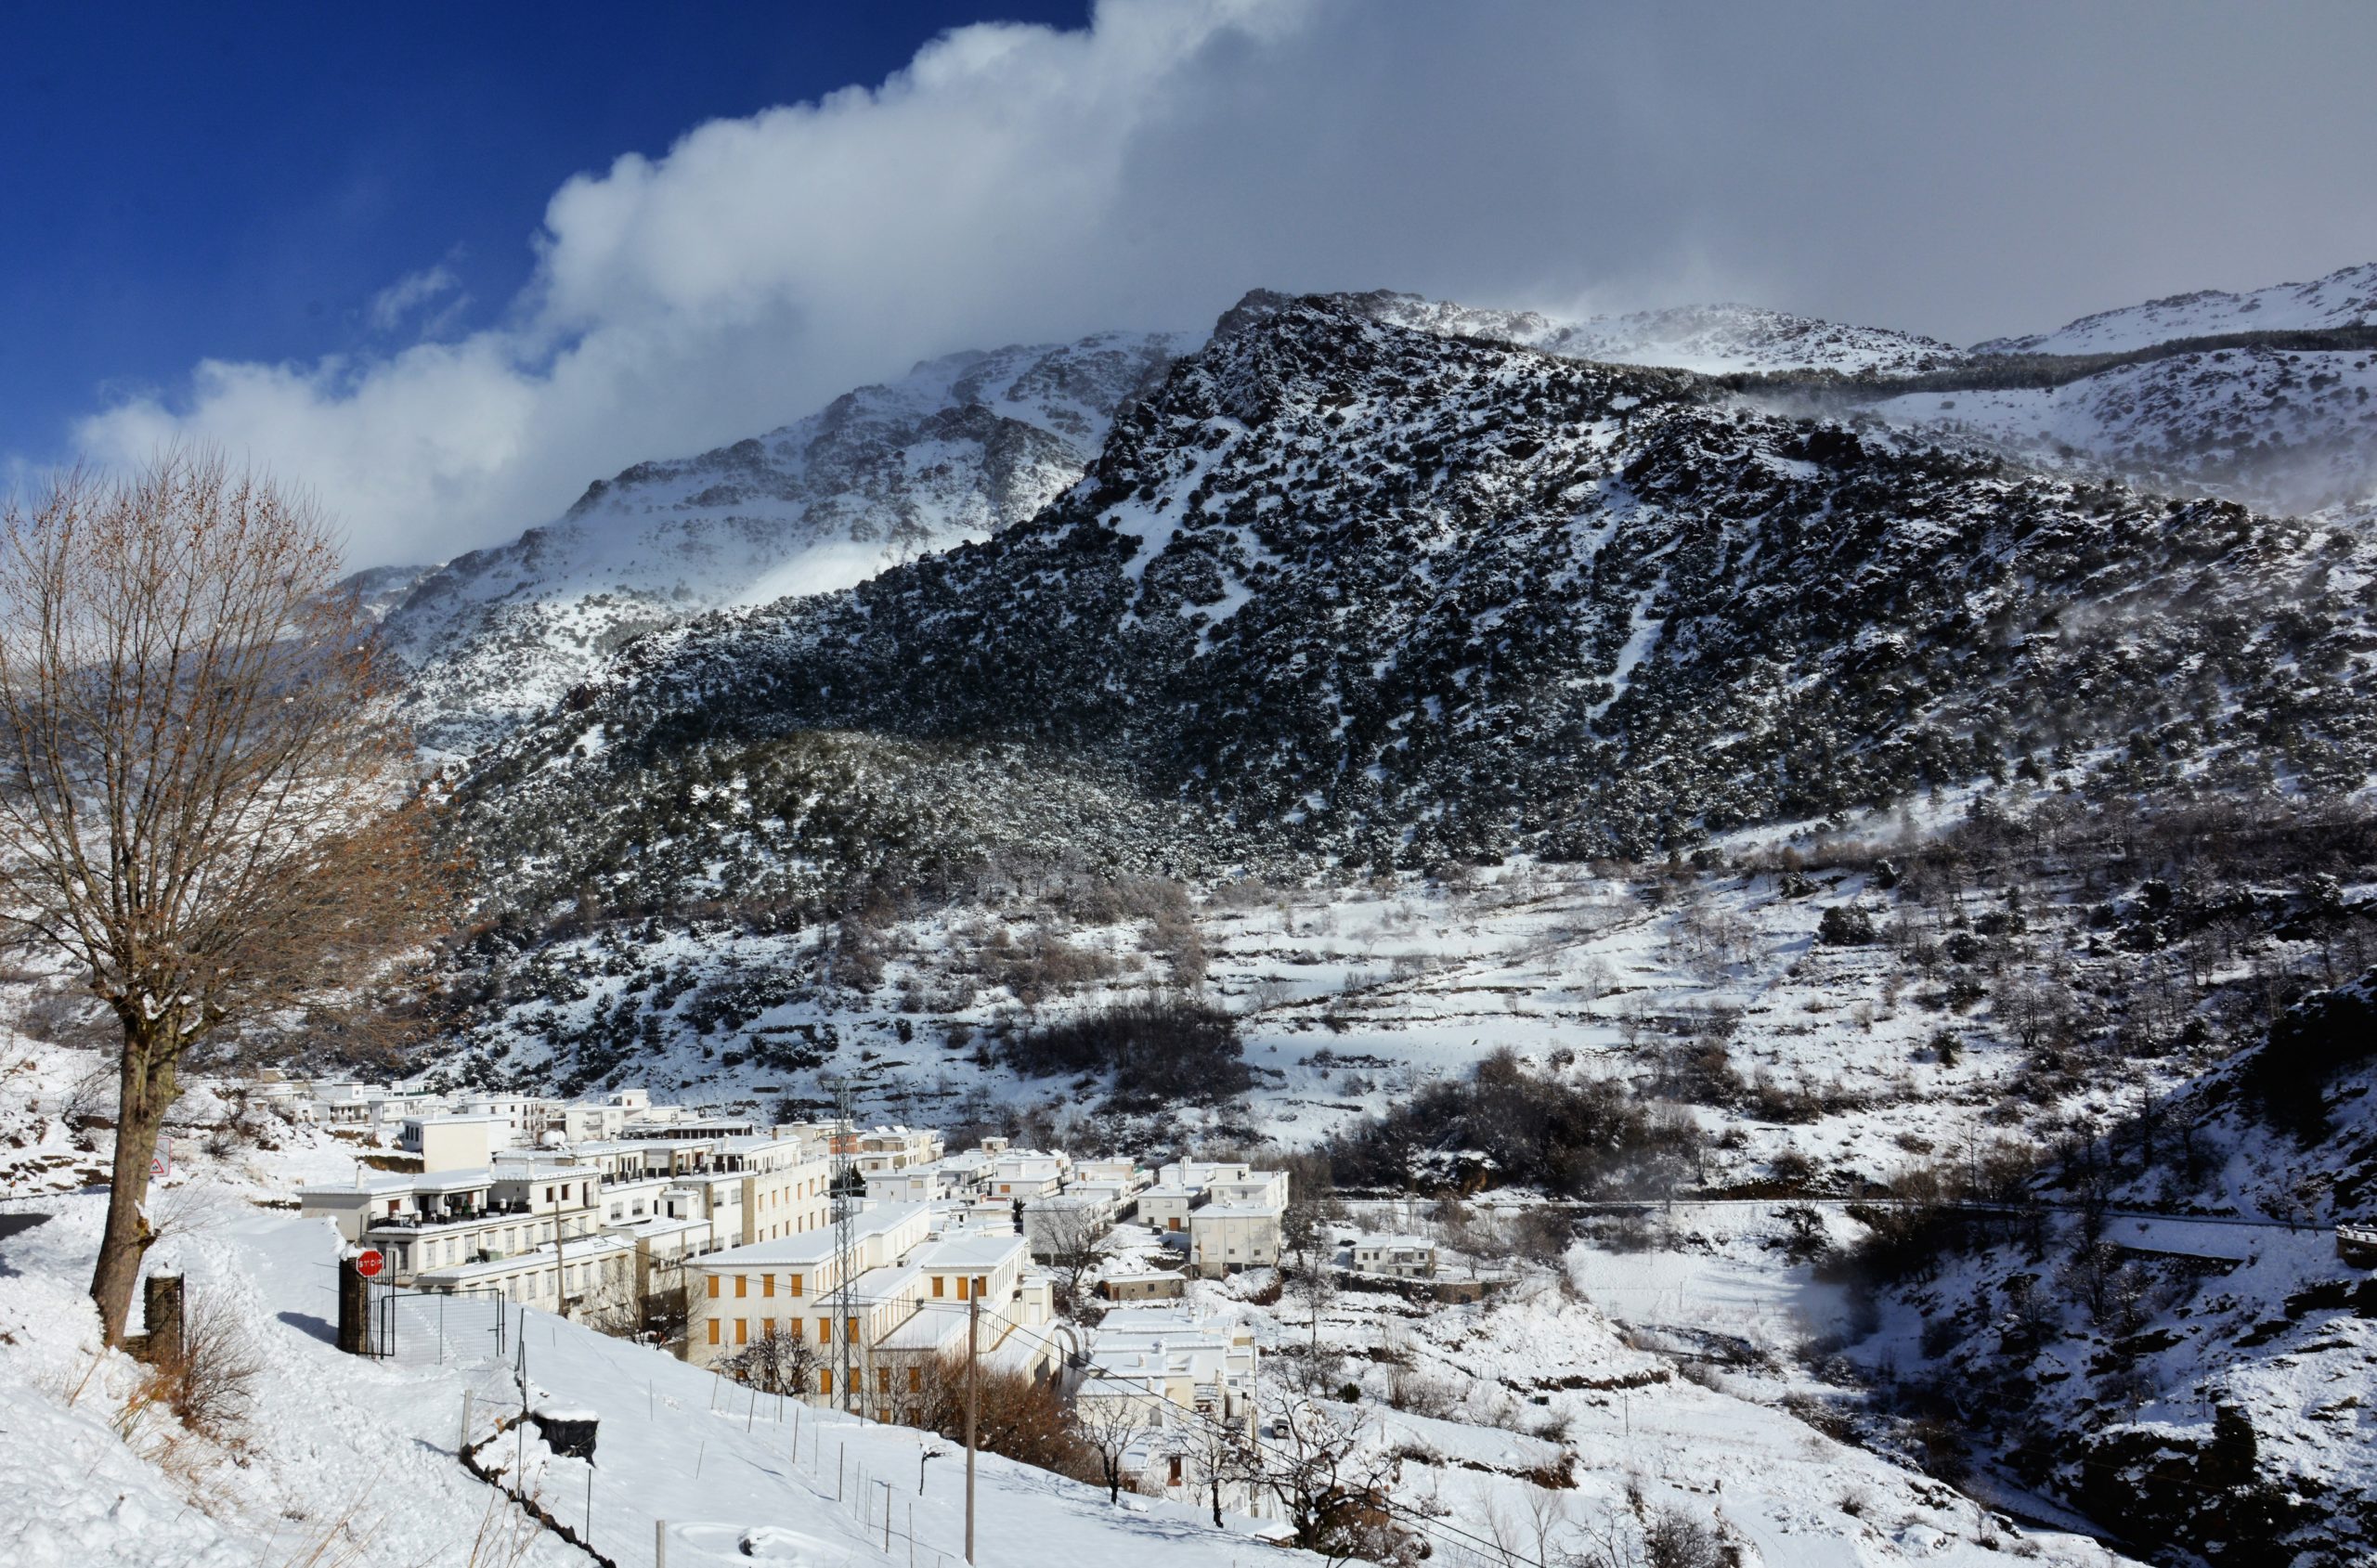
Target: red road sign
368, 1262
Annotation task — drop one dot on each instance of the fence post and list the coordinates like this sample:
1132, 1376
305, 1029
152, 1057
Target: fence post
659, 1543
465, 1445
161, 1302
354, 1308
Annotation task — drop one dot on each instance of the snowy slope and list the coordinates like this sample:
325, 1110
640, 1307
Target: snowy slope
2344, 298
957, 449
1711, 339
2281, 431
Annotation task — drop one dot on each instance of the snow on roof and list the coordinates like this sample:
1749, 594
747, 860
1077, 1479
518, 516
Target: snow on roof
578, 1250
969, 1251
815, 1246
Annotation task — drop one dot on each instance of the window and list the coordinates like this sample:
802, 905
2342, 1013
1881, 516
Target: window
982, 1285
767, 1326
792, 1327
961, 1287
742, 1285
794, 1288
742, 1330
825, 1379
916, 1379
850, 1329
936, 1286
767, 1284
713, 1330
713, 1287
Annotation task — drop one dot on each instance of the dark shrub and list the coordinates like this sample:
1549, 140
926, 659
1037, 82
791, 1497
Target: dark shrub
1159, 1049
2312, 1042
1845, 925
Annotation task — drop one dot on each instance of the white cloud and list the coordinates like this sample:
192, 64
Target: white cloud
391, 306
1937, 170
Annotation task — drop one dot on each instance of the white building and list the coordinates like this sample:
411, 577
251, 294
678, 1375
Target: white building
1127, 1173
906, 1301
452, 1143
1181, 1380
1226, 1238
421, 1222
881, 1150
1406, 1257
1168, 1205
1027, 1174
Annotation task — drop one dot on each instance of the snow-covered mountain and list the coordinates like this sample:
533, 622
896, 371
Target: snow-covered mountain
957, 449
974, 443
2344, 298
1348, 589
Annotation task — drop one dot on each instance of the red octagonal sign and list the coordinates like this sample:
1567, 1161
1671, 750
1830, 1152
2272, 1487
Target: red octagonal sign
368, 1262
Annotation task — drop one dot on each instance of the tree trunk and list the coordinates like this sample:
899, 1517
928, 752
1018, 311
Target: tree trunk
145, 1089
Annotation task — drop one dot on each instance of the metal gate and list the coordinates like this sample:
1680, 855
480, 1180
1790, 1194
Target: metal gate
439, 1328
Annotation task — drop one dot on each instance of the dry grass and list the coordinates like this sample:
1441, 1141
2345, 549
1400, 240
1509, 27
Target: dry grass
209, 1382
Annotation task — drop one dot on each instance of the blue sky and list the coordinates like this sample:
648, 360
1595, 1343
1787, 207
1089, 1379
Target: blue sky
447, 269
242, 180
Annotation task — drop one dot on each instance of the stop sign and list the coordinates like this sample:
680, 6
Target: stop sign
368, 1262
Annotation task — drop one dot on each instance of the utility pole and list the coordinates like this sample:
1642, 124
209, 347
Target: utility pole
973, 1406
845, 1232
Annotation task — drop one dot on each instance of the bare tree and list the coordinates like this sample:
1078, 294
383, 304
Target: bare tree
1108, 1424
777, 1362
1334, 1481
1071, 1240
206, 812
1221, 1455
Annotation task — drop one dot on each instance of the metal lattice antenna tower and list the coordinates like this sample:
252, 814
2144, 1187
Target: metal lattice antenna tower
845, 1232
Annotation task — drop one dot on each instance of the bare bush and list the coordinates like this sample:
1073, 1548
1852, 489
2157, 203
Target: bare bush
209, 1380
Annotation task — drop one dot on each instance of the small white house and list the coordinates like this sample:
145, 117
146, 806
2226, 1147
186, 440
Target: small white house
1227, 1238
1405, 1257
452, 1143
